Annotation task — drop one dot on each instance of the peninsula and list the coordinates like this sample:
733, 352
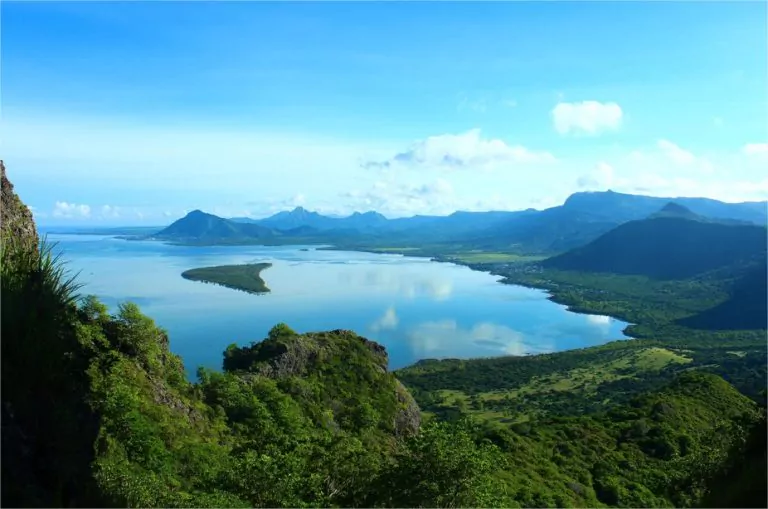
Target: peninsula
244, 277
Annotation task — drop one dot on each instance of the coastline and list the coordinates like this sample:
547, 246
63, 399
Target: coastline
493, 268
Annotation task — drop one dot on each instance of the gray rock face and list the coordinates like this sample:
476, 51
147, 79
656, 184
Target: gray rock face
302, 354
16, 222
408, 418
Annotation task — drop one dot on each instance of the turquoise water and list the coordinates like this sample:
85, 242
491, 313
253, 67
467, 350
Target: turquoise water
416, 308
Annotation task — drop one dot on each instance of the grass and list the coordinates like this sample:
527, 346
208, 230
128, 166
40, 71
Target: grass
246, 278
499, 405
491, 257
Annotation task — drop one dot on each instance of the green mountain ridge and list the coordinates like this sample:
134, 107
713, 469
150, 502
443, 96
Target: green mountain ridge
666, 246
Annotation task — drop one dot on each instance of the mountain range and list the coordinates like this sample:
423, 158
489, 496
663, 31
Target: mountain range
582, 218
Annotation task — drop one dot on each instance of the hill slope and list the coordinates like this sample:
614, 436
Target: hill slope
666, 247
745, 309
585, 216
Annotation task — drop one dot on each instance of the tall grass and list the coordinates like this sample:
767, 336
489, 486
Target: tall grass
38, 270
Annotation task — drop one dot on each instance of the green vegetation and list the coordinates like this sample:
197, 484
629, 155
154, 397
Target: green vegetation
666, 248
97, 411
246, 277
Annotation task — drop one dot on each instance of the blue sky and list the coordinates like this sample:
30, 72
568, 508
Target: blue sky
131, 113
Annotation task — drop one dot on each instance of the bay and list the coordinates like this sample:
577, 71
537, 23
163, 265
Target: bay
415, 307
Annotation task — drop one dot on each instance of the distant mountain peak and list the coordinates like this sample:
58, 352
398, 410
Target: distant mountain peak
673, 209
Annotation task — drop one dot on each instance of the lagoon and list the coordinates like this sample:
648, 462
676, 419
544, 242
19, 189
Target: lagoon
415, 307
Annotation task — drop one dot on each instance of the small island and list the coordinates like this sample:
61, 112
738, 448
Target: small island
246, 277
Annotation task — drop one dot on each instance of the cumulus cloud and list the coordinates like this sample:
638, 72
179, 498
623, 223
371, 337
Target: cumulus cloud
110, 212
388, 321
586, 117
465, 150
66, 210
675, 153
638, 180
396, 198
671, 158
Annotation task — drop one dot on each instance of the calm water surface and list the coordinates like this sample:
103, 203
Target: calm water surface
416, 308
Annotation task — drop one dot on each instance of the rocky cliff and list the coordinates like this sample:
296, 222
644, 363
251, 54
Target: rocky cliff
16, 222
341, 363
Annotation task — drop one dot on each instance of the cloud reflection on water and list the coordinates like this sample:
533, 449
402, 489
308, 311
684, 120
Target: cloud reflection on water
388, 321
409, 284
446, 338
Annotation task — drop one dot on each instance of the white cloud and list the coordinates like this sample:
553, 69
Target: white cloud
388, 321
395, 197
510, 103
671, 159
465, 150
675, 153
637, 180
755, 149
586, 117
66, 210
108, 212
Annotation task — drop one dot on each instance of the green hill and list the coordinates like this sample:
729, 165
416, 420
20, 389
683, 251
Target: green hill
666, 247
746, 307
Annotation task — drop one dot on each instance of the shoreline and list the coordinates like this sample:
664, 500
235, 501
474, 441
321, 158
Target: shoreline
491, 268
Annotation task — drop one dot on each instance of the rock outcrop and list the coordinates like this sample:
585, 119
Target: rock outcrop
340, 360
16, 222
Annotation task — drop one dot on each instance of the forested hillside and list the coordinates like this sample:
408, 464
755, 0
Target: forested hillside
97, 411
666, 247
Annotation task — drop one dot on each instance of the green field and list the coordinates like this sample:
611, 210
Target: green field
492, 257
539, 385
246, 278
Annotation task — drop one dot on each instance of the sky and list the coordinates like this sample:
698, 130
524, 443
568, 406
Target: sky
130, 113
